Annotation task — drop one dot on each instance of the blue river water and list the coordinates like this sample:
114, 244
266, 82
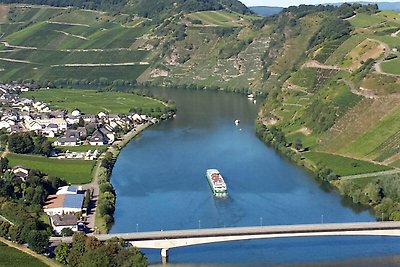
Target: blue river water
160, 182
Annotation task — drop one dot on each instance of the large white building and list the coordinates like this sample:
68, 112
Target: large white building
63, 204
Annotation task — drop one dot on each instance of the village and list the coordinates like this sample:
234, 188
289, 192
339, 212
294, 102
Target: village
68, 207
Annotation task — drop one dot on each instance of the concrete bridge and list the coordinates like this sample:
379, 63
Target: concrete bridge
165, 240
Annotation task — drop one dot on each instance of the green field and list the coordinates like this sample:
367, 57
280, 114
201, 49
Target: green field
72, 170
392, 66
91, 101
365, 21
344, 166
222, 18
11, 257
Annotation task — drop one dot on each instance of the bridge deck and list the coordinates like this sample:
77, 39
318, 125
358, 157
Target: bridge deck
247, 231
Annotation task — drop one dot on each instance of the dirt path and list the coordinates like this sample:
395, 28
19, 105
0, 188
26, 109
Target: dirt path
101, 64
360, 90
66, 23
20, 47
395, 34
392, 159
26, 250
316, 64
73, 35
15, 60
378, 63
372, 174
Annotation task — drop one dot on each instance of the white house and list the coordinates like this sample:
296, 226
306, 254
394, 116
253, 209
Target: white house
76, 113
97, 139
59, 222
20, 171
101, 115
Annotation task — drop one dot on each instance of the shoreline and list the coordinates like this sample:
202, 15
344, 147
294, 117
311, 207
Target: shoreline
99, 225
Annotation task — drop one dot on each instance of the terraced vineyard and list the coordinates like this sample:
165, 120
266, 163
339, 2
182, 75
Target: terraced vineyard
69, 44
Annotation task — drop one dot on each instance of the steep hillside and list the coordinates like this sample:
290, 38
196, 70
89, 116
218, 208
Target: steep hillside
337, 110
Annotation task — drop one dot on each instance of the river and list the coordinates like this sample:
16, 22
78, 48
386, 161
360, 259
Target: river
159, 178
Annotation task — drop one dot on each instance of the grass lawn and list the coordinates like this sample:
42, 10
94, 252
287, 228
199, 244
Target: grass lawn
72, 170
13, 257
364, 20
344, 166
92, 102
392, 66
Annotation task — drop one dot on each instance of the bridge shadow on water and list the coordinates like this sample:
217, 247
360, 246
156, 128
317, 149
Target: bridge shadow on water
309, 251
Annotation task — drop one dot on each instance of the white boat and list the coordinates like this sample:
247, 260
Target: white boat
250, 96
237, 122
216, 183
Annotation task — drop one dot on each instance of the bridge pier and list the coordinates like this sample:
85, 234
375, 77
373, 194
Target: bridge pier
164, 255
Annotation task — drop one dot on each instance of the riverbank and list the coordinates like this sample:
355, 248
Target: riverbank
374, 188
102, 224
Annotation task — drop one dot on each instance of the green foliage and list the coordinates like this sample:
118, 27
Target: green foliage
331, 29
67, 232
26, 143
88, 251
61, 252
21, 143
38, 241
320, 116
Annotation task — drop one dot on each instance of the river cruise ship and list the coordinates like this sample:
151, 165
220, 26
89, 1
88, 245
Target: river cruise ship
216, 183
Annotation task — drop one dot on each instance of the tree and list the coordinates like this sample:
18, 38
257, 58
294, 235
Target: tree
67, 232
298, 145
21, 143
38, 241
61, 252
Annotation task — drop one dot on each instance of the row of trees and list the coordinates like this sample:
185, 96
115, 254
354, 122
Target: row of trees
29, 143
383, 194
89, 251
107, 197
